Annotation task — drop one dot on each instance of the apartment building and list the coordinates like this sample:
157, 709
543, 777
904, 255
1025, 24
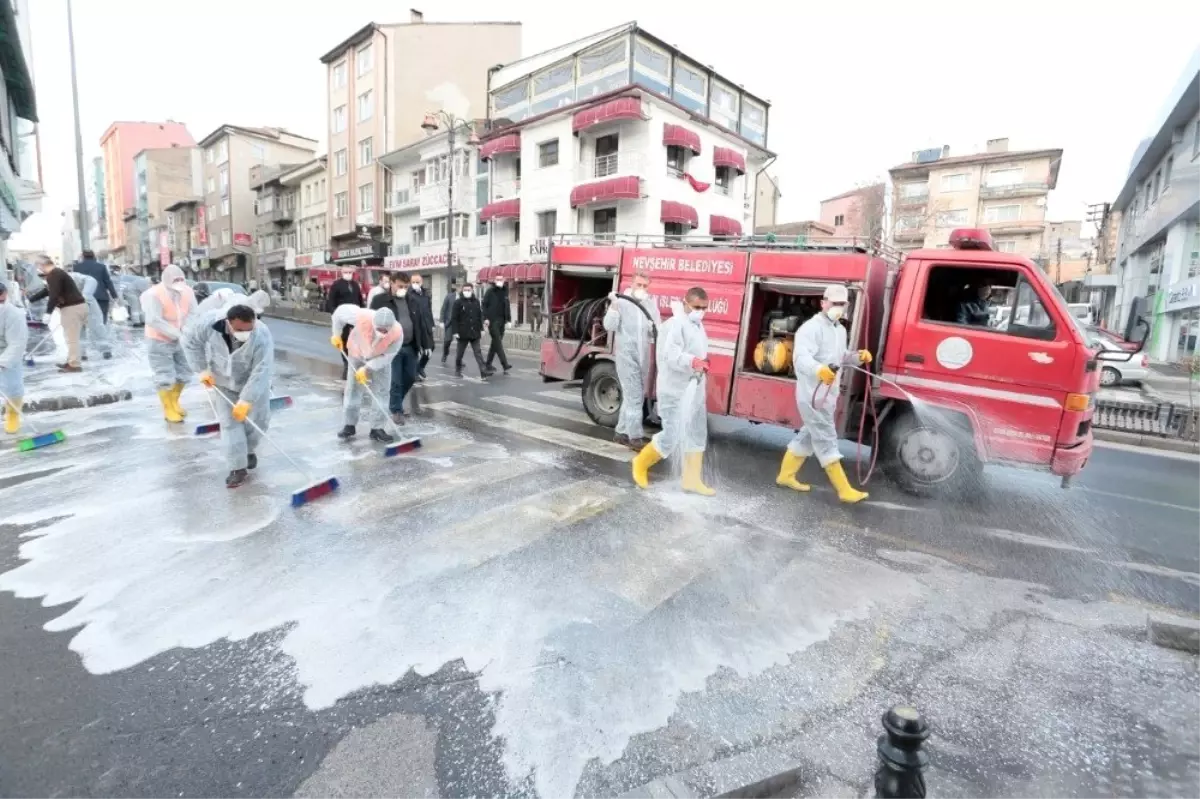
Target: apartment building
1001, 190
381, 82
230, 152
312, 216
858, 213
97, 211
187, 236
161, 177
617, 134
1158, 241
118, 146
276, 235
766, 202
20, 170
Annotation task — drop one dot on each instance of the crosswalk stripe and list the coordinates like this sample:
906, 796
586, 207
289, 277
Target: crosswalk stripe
676, 563
564, 395
543, 408
550, 435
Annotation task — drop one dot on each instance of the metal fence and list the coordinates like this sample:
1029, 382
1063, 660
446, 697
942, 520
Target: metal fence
1164, 419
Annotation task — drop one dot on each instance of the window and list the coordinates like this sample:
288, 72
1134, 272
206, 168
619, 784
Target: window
724, 180
365, 152
225, 237
481, 193
212, 211
366, 198
604, 221
1013, 307
673, 231
481, 166
547, 222
1005, 177
417, 234
363, 60
224, 176
212, 185
1157, 183
308, 194
339, 163
1167, 172
676, 158
436, 229
462, 225
1001, 213
223, 151
955, 182
481, 226
839, 220
224, 206
1005, 245
909, 190
548, 153
908, 223
341, 205
339, 119
516, 229
1029, 317
210, 155
366, 105
952, 218
418, 180
339, 75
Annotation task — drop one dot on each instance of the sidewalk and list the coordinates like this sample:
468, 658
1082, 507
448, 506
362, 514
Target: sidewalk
100, 383
515, 338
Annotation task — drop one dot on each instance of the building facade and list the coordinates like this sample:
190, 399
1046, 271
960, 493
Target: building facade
311, 185
858, 213
161, 178
380, 83
97, 211
276, 233
1001, 190
229, 154
1158, 240
20, 169
118, 146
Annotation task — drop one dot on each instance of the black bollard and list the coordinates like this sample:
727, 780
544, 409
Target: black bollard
901, 761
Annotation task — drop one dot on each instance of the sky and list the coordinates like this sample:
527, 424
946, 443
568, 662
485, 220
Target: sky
854, 87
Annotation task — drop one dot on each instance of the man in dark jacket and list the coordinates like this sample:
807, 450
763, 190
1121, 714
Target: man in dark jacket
497, 313
344, 291
106, 292
447, 328
409, 312
417, 290
62, 294
466, 318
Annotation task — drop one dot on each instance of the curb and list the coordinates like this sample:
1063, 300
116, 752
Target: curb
1180, 634
1145, 441
66, 403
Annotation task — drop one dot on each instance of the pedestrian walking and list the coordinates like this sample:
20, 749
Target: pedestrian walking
409, 313
632, 323
382, 286
14, 335
105, 291
497, 313
344, 291
95, 328
445, 317
466, 319
166, 306
374, 340
417, 287
63, 295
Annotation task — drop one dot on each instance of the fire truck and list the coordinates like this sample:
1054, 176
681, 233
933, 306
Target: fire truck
949, 391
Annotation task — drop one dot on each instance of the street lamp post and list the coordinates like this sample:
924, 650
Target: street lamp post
452, 123
82, 222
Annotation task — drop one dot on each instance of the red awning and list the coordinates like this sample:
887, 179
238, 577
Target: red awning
484, 275
536, 273
501, 209
611, 111
723, 156
629, 188
507, 271
520, 272
680, 136
723, 226
680, 213
508, 143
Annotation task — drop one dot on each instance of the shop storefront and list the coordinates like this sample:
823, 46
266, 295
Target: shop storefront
1182, 308
431, 267
526, 285
273, 270
304, 288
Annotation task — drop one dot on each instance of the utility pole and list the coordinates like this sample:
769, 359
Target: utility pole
84, 232
1058, 262
452, 123
1099, 214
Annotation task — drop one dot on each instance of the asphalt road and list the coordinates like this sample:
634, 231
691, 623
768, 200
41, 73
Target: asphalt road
502, 613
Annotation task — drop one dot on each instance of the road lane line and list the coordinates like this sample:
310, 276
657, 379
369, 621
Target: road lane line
1158, 571
550, 435
543, 408
569, 396
1032, 540
1132, 498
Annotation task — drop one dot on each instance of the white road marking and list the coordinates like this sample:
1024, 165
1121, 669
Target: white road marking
1032, 540
1143, 500
550, 435
880, 503
1161, 571
543, 408
573, 397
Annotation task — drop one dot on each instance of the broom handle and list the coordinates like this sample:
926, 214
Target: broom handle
48, 337
269, 440
387, 417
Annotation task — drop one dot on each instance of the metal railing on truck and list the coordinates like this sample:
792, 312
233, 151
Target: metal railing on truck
856, 244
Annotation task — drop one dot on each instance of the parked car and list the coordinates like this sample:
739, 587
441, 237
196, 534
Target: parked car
206, 287
1095, 331
1082, 311
1116, 367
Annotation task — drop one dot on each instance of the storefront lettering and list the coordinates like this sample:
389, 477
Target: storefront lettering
356, 253
700, 266
1184, 296
401, 263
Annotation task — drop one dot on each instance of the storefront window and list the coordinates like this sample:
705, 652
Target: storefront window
1189, 330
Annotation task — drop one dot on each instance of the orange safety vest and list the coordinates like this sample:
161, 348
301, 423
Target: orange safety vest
173, 312
361, 345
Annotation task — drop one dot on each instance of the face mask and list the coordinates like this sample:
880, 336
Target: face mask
177, 286
416, 287
836, 312
467, 294
385, 287
347, 275
499, 284
696, 316
640, 294
401, 292
242, 335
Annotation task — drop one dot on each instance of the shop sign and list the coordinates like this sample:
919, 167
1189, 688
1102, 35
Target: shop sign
539, 247
199, 253
277, 259
357, 252
405, 263
1183, 295
311, 259
201, 225
242, 240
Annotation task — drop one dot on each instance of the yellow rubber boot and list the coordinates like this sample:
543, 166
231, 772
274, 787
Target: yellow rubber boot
168, 403
788, 470
837, 476
642, 463
176, 391
693, 463
12, 416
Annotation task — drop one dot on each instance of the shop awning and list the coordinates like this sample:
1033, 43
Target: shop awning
501, 209
519, 273
484, 275
723, 226
507, 271
627, 188
536, 273
723, 156
612, 111
679, 136
679, 213
508, 143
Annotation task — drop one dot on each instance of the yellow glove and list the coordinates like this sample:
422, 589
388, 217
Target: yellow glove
826, 375
336, 341
864, 356
241, 411
206, 380
360, 375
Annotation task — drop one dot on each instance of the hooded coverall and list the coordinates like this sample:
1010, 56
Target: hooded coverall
366, 348
166, 312
13, 337
97, 331
632, 351
242, 373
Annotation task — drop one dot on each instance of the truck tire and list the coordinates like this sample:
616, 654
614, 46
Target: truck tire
930, 457
602, 393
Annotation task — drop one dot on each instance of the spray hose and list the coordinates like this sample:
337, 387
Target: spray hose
577, 316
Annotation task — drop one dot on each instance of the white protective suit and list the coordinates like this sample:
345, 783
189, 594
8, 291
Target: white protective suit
242, 374
819, 342
97, 331
167, 360
14, 335
632, 352
379, 368
132, 287
223, 299
684, 430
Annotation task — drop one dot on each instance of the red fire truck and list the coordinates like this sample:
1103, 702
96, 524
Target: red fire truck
949, 393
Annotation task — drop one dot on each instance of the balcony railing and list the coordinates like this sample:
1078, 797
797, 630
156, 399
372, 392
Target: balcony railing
908, 200
401, 199
1181, 199
724, 191
279, 213
1015, 189
1016, 225
506, 189
612, 165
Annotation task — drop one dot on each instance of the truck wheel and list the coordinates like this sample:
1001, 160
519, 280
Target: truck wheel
930, 456
602, 393
1109, 376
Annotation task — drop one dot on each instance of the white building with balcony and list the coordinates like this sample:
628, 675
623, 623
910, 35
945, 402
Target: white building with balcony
20, 160
617, 133
427, 237
1158, 243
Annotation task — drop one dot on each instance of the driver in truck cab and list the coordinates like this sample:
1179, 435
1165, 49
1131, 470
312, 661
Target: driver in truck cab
977, 310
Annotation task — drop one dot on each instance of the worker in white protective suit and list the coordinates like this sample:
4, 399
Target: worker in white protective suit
820, 348
633, 324
682, 358
225, 298
166, 308
14, 335
375, 338
235, 355
94, 327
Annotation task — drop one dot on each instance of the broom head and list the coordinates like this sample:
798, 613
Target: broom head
400, 447
205, 429
279, 403
44, 440
315, 491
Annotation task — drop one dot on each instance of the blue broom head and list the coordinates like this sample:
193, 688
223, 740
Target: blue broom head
314, 491
44, 440
205, 429
400, 447
29, 362
279, 403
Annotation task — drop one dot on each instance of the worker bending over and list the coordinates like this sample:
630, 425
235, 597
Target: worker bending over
375, 338
14, 337
682, 358
820, 348
94, 326
166, 307
633, 324
235, 355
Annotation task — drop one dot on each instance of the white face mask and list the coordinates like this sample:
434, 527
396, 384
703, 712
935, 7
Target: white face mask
401, 292
467, 294
241, 335
639, 293
177, 286
499, 284
696, 316
416, 287
836, 312
347, 275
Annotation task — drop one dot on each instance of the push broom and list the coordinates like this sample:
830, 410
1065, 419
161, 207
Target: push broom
38, 440
277, 404
301, 496
400, 447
